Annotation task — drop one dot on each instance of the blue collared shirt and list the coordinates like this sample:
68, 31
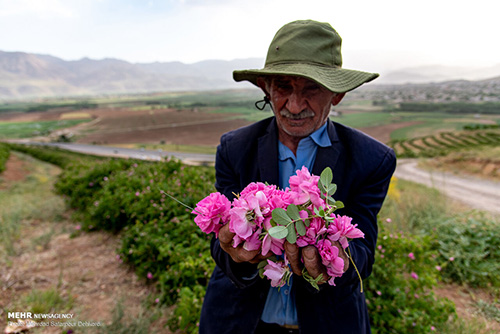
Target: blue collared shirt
280, 305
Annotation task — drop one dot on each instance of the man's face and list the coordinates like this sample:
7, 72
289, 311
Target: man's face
301, 106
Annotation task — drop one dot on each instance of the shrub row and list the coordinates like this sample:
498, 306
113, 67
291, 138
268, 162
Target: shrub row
158, 235
473, 127
4, 156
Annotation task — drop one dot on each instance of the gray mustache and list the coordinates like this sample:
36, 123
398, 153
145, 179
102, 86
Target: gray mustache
303, 114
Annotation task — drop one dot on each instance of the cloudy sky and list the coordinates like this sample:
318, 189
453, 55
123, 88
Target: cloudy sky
377, 35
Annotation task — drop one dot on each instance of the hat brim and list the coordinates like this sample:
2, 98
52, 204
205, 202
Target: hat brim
338, 80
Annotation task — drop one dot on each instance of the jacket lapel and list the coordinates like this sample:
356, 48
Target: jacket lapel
268, 155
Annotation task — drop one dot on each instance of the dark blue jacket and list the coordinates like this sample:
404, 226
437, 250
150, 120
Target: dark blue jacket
362, 168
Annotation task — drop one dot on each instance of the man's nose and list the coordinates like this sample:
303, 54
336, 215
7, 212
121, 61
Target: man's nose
296, 103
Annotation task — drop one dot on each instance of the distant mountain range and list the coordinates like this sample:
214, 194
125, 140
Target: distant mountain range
438, 73
25, 75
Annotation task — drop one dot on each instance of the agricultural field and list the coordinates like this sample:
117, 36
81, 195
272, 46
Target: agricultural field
198, 119
113, 210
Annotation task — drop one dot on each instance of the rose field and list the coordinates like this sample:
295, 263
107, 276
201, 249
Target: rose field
417, 250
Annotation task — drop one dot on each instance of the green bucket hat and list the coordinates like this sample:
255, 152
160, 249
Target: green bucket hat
308, 49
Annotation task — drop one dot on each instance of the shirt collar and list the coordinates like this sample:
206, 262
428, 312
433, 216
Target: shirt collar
319, 137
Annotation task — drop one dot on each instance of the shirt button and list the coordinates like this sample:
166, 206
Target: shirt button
286, 292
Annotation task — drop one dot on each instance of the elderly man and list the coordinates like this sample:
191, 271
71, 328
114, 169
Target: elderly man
302, 79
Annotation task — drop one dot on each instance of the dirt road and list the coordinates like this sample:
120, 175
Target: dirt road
476, 193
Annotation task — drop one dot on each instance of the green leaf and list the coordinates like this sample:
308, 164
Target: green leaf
339, 204
280, 216
293, 212
301, 229
332, 188
326, 176
310, 279
261, 272
279, 232
322, 188
262, 264
292, 235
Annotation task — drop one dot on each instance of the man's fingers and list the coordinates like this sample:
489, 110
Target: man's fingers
238, 254
293, 256
250, 256
226, 236
312, 262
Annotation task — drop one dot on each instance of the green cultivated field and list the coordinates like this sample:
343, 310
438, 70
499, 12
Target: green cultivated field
16, 130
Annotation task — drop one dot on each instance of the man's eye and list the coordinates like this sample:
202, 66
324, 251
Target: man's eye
283, 87
312, 88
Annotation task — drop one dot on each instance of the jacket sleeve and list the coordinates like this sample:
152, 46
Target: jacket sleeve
227, 183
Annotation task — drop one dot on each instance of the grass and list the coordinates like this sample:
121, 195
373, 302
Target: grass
27, 201
489, 310
42, 241
123, 323
411, 207
469, 326
46, 301
17, 130
482, 162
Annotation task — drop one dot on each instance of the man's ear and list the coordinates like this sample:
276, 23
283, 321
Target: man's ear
263, 84
337, 98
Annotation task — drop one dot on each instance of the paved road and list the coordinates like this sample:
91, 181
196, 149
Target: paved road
474, 192
188, 158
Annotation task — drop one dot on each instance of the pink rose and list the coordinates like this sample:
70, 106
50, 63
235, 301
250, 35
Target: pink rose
253, 242
239, 222
342, 228
276, 272
330, 259
304, 186
212, 213
315, 229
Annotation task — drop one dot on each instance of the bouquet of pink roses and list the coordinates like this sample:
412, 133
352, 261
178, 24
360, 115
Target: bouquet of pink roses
263, 217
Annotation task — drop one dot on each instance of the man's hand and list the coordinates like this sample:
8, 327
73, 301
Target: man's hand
238, 254
312, 260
